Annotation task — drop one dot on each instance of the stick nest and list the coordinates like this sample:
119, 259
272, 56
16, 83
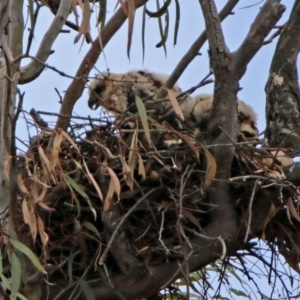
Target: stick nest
132, 193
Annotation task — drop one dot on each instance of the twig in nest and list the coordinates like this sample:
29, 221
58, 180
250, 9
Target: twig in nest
160, 232
250, 211
103, 256
219, 239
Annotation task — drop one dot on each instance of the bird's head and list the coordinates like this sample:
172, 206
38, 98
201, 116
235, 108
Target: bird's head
101, 92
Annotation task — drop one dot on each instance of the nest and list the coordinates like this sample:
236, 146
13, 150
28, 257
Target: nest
137, 187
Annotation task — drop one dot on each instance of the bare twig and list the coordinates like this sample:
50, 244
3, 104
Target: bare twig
250, 211
103, 256
264, 22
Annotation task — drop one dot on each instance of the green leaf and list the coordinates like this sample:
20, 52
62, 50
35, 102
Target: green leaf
238, 293
102, 13
143, 115
15, 276
264, 296
5, 282
91, 227
160, 11
70, 264
161, 29
21, 296
25, 250
131, 13
79, 190
143, 31
164, 37
31, 14
86, 290
177, 21
290, 132
105, 278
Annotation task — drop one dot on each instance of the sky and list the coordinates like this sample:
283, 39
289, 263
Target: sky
41, 93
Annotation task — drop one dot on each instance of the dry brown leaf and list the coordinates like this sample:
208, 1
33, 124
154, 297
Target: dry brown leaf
25, 211
131, 156
43, 235
272, 212
211, 168
175, 104
21, 184
123, 5
142, 171
185, 138
144, 249
45, 206
46, 163
33, 223
115, 179
126, 172
6, 166
292, 209
109, 196
56, 147
74, 9
70, 140
131, 11
85, 23
91, 177
191, 218
35, 178
42, 195
34, 191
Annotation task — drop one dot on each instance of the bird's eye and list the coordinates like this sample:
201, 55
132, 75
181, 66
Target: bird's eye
99, 89
248, 134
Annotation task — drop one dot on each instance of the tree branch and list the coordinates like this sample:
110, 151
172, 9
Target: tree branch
264, 22
16, 26
32, 70
223, 114
282, 89
75, 89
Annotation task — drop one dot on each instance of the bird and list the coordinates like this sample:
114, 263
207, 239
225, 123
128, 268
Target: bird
115, 92
198, 108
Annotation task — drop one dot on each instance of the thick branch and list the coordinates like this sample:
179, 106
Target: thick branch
223, 115
36, 66
283, 95
16, 26
76, 87
264, 22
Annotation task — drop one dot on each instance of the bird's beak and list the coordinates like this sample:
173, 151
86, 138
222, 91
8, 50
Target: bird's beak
93, 102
